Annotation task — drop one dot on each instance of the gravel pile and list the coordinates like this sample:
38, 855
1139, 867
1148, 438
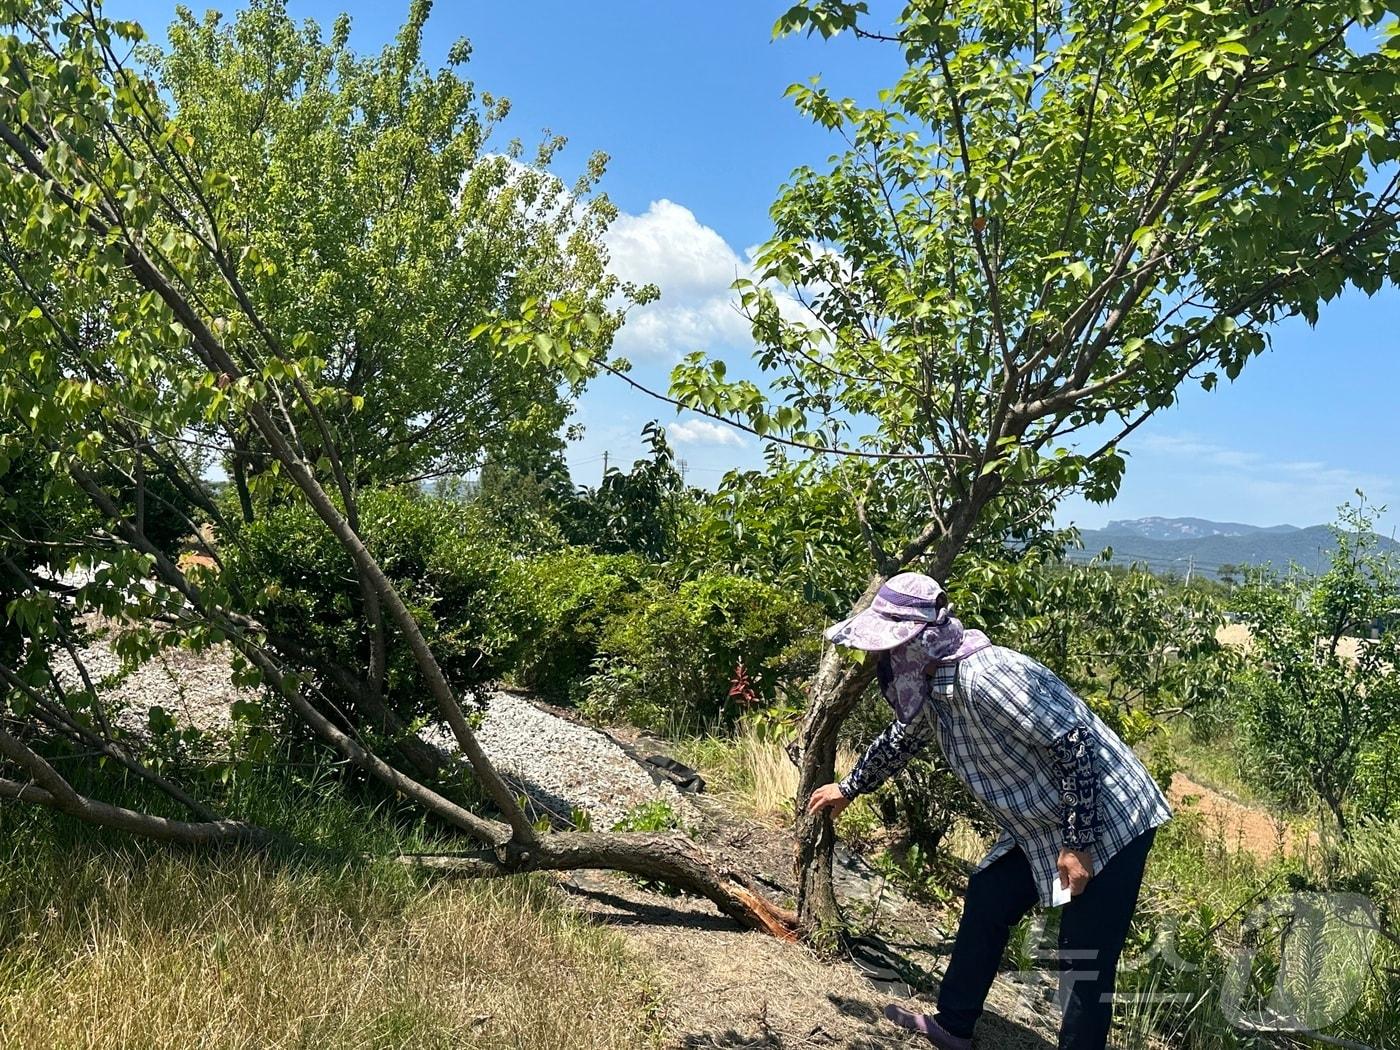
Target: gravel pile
559, 765
193, 688
562, 766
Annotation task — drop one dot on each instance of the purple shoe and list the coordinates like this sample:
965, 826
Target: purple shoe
926, 1026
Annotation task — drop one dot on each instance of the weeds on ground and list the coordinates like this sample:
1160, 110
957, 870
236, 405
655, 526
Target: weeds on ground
1216, 763
654, 816
750, 768
1220, 938
922, 877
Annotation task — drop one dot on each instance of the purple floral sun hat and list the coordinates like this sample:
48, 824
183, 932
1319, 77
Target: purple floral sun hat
902, 608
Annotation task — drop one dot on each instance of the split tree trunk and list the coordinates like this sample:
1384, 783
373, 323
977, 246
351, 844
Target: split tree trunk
835, 693
672, 858
836, 690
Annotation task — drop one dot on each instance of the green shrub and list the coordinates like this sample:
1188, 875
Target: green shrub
653, 816
1206, 910
671, 659
468, 594
576, 593
1314, 703
1378, 777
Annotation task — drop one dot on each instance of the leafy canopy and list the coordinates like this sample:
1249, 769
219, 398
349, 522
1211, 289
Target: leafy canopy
387, 222
1055, 217
173, 291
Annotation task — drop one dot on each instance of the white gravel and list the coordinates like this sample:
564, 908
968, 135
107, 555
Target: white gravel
193, 688
559, 765
562, 766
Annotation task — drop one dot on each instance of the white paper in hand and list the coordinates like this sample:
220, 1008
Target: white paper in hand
1059, 895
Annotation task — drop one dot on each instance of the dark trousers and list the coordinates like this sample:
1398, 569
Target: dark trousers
1093, 927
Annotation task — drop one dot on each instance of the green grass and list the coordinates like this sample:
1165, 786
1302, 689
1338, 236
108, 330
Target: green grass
110, 943
1198, 899
1215, 764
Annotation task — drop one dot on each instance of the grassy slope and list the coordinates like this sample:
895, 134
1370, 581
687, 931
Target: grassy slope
106, 943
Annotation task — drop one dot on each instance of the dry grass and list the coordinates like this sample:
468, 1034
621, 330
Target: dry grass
966, 843
751, 769
172, 951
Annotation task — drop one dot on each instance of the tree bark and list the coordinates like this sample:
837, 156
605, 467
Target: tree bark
47, 787
134, 822
836, 690
240, 479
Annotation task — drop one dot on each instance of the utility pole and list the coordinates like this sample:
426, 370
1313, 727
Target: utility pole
605, 463
684, 467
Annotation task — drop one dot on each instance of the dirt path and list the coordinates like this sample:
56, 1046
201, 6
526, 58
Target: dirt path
1238, 825
722, 986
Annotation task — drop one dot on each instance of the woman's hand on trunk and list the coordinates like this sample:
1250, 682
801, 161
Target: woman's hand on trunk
827, 797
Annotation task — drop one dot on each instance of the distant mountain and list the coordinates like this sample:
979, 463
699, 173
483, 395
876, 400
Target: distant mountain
1180, 544
1188, 528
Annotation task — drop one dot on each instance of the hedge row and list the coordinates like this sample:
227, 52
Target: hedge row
613, 633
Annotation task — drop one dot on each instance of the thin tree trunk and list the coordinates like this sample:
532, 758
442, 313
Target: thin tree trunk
133, 822
835, 692
240, 479
48, 788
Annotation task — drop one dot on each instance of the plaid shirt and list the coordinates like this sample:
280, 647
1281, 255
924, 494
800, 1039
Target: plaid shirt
1019, 738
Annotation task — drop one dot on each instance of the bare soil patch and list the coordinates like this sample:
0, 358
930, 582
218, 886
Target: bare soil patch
1240, 827
722, 986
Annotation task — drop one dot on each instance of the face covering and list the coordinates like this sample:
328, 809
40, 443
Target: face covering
944, 642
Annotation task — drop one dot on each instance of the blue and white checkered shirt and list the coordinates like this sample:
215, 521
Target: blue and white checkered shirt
1016, 736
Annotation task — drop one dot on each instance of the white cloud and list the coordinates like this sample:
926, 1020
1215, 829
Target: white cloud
704, 432
693, 266
674, 328
669, 246
1198, 451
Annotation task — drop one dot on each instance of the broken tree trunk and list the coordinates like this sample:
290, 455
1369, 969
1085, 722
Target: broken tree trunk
673, 858
836, 689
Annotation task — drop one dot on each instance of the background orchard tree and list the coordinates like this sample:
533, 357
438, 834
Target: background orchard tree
1055, 217
139, 313
384, 219
1320, 696
1140, 651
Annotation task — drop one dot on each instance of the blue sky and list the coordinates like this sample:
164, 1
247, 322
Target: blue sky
687, 100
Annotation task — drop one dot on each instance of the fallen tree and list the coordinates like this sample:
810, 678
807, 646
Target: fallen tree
135, 325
